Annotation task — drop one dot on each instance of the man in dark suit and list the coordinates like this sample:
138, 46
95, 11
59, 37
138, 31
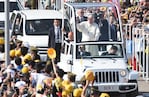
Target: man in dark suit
82, 52
80, 18
105, 31
113, 51
55, 39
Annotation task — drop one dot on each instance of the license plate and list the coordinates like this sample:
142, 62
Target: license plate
106, 88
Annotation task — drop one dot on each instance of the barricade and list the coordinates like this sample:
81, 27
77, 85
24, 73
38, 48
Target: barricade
137, 49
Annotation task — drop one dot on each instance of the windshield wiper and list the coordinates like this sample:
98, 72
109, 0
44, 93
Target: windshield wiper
113, 59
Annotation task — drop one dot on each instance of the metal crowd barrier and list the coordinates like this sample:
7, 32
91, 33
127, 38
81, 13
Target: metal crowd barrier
137, 49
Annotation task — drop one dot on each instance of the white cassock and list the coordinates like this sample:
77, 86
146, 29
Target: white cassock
90, 32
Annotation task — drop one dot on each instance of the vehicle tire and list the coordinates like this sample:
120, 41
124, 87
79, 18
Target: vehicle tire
133, 93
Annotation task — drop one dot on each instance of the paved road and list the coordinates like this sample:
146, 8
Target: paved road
143, 88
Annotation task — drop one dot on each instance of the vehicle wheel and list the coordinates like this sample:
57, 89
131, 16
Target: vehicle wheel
133, 93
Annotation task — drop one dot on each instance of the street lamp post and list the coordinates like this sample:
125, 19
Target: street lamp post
7, 47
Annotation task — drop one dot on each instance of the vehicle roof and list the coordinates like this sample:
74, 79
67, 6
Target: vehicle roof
41, 14
9, 0
80, 5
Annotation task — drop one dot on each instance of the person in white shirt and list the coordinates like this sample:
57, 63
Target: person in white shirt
90, 30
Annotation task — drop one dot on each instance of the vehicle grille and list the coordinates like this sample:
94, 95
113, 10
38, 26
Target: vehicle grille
107, 77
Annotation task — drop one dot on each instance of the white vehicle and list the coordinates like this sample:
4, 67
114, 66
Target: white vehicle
110, 70
33, 26
14, 5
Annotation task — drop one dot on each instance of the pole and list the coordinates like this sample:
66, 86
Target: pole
7, 47
62, 8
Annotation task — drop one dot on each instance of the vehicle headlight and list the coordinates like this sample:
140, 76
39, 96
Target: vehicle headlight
123, 73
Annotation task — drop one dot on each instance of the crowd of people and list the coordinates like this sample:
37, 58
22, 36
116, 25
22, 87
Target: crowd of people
28, 76
135, 18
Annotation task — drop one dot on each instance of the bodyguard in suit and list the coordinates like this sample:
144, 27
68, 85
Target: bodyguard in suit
55, 39
80, 18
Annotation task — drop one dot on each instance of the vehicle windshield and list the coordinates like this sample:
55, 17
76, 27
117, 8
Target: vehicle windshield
99, 51
13, 6
97, 22
41, 26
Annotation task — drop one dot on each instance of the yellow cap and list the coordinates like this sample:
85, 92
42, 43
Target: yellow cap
129, 9
89, 75
12, 53
77, 92
104, 95
1, 40
18, 52
27, 56
64, 93
25, 69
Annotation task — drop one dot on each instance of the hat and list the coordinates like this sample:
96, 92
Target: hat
33, 48
12, 53
25, 69
27, 57
89, 75
77, 92
20, 84
2, 41
104, 95
64, 93
26, 44
18, 52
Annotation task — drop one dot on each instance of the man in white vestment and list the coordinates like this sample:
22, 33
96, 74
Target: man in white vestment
90, 32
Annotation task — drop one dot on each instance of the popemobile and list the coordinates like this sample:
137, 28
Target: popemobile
104, 56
